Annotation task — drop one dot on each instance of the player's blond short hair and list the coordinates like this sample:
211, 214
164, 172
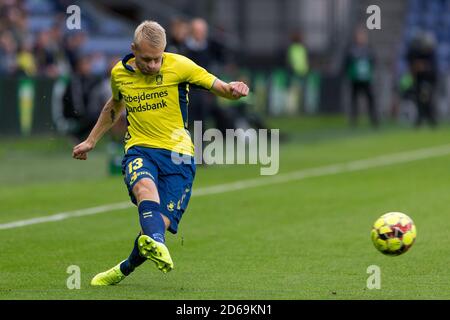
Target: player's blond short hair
152, 32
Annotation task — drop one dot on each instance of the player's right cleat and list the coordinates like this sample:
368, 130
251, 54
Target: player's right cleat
155, 251
110, 277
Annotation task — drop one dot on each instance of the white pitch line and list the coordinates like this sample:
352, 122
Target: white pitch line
66, 215
358, 165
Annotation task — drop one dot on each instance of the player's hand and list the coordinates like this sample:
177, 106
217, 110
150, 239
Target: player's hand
80, 151
238, 89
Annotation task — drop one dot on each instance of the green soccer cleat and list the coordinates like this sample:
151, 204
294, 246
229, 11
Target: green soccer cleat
108, 278
155, 251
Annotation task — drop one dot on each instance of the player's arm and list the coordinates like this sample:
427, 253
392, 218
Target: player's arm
233, 90
109, 115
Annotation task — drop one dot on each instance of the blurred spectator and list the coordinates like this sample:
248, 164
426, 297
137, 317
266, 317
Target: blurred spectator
8, 48
179, 31
197, 43
422, 63
221, 55
298, 66
25, 60
102, 91
359, 67
13, 34
57, 45
45, 55
73, 47
16, 23
198, 51
203, 50
99, 64
297, 56
209, 54
77, 100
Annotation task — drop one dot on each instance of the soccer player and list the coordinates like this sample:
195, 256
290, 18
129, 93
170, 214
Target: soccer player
152, 85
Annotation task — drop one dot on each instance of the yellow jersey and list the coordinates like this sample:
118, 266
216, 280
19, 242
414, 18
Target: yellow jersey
157, 105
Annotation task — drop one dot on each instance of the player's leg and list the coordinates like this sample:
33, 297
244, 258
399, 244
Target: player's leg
135, 168
110, 277
174, 186
146, 190
150, 218
141, 171
140, 175
151, 243
120, 271
134, 260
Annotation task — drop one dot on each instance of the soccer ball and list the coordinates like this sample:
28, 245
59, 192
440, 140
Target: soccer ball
393, 233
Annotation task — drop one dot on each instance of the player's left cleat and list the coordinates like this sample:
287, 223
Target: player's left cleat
155, 251
110, 277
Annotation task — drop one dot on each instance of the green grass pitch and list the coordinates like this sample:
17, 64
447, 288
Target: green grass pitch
303, 239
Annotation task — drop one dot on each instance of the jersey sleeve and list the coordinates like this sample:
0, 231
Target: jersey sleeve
196, 75
114, 88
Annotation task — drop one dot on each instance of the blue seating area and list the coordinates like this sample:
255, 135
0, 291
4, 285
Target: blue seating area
432, 16
106, 34
40, 7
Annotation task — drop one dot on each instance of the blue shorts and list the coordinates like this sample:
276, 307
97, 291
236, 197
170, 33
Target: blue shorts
173, 181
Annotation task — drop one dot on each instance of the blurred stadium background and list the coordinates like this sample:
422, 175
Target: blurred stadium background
251, 38
302, 64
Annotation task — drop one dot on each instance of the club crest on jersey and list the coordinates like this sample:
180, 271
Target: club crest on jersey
159, 79
171, 206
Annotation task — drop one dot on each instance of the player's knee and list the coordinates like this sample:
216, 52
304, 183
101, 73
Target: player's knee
145, 189
166, 221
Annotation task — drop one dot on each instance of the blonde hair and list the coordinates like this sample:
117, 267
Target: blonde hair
152, 32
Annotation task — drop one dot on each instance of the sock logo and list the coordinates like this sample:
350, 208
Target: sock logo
158, 237
147, 214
